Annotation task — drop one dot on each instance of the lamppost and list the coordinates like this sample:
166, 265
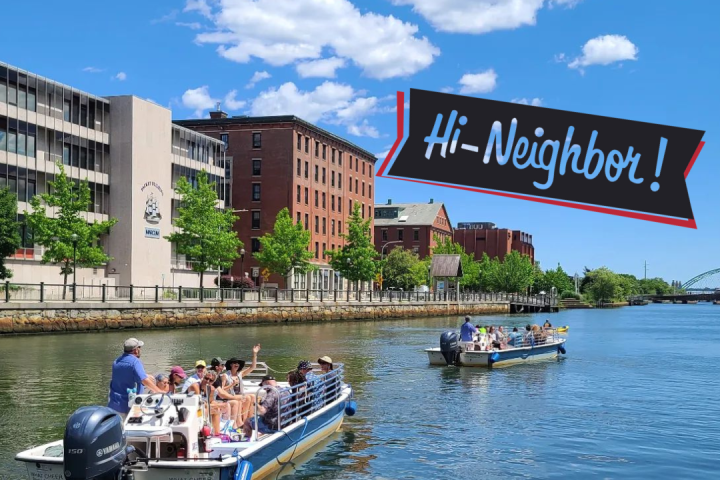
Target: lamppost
74, 238
349, 262
382, 256
242, 260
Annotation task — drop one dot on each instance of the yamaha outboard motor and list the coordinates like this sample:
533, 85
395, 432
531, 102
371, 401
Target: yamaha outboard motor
449, 347
94, 445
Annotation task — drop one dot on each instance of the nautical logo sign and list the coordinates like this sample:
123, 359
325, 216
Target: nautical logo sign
152, 213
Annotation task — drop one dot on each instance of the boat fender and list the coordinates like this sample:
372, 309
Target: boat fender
561, 349
494, 357
351, 408
243, 471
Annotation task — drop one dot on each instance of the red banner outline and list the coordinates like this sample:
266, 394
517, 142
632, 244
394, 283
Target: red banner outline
687, 223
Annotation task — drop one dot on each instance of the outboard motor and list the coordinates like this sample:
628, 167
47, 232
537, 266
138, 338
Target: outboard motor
449, 347
94, 445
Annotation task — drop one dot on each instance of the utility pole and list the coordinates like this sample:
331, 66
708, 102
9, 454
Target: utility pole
645, 269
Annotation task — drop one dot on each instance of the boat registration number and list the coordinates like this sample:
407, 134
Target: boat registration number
46, 472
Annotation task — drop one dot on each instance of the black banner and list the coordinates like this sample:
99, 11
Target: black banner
548, 153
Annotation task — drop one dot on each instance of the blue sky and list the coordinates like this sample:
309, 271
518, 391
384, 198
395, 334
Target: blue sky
339, 64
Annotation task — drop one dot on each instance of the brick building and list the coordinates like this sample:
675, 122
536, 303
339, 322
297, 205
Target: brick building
411, 225
284, 161
479, 237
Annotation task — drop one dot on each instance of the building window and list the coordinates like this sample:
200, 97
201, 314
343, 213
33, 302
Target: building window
323, 203
256, 219
339, 204
384, 234
340, 158
370, 191
299, 142
362, 210
256, 167
363, 168
317, 253
350, 186
257, 140
307, 195
224, 137
323, 256
316, 198
307, 145
416, 235
317, 224
298, 194
299, 167
332, 155
256, 192
332, 202
369, 210
350, 205
332, 179
416, 249
332, 229
307, 169
363, 189
298, 217
307, 222
339, 227
400, 233
323, 177
357, 166
317, 170
324, 148
324, 231
317, 148
255, 245
357, 190
339, 181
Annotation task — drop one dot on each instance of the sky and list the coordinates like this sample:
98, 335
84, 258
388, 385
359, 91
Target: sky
339, 64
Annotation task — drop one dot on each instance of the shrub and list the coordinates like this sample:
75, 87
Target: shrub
228, 281
574, 295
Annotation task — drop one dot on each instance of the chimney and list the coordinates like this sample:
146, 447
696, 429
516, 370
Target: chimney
389, 201
431, 200
218, 113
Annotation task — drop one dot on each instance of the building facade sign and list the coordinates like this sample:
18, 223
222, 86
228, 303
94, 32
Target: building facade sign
152, 212
152, 232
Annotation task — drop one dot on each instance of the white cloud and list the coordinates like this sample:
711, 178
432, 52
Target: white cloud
330, 102
382, 155
535, 102
199, 100
604, 50
283, 32
258, 76
478, 82
480, 16
320, 68
93, 70
447, 89
122, 76
232, 103
191, 26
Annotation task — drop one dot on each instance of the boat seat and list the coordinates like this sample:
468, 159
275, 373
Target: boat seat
151, 435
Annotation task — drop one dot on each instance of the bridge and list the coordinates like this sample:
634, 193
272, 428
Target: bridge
704, 287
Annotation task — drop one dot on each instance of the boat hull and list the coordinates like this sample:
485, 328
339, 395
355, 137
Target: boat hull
266, 457
508, 357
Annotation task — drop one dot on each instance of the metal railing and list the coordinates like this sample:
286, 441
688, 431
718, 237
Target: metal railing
522, 338
301, 400
51, 292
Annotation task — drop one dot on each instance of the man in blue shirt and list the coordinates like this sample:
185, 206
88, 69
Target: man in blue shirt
467, 330
127, 373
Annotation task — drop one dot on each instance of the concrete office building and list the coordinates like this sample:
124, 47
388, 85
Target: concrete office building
284, 161
132, 155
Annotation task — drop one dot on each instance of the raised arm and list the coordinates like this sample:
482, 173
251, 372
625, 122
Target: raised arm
253, 366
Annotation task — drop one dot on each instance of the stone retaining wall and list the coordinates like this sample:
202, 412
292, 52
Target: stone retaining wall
53, 318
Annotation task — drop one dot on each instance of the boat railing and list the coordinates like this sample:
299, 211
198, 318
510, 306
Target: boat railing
303, 399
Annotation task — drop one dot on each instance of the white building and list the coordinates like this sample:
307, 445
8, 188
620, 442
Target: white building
132, 155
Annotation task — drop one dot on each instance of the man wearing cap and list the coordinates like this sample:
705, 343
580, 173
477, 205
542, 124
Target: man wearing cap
315, 386
127, 373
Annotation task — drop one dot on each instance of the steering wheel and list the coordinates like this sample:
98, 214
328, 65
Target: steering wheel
159, 407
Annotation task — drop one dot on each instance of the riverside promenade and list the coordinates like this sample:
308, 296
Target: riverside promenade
48, 309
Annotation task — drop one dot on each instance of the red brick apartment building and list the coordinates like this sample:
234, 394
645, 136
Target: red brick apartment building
479, 237
284, 161
411, 225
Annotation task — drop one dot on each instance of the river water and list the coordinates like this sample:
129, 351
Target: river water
636, 395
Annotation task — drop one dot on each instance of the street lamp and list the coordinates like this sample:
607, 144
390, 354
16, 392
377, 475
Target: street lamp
242, 260
382, 256
74, 238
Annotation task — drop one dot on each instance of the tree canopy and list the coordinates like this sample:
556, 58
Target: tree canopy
205, 235
356, 259
9, 235
285, 249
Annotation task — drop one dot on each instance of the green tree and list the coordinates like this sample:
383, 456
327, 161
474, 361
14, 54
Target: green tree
205, 233
9, 236
356, 259
559, 279
60, 232
403, 269
605, 285
285, 249
515, 274
487, 271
